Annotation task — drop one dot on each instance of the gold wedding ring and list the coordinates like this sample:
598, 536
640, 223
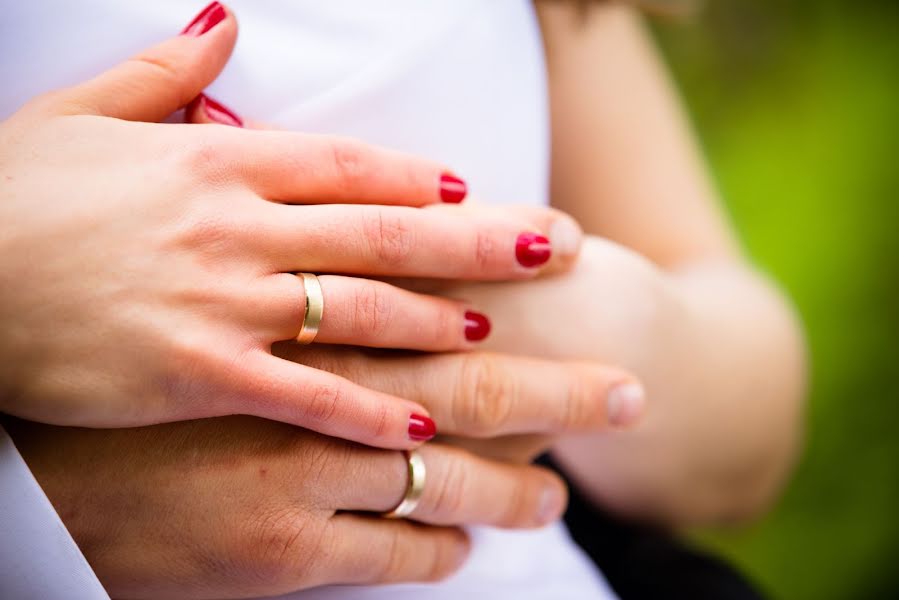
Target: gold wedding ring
414, 488
315, 307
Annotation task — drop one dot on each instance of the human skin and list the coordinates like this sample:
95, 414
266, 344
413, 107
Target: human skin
238, 506
677, 303
150, 267
661, 289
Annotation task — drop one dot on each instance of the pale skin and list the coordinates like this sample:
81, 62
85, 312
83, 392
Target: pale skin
662, 289
111, 486
150, 268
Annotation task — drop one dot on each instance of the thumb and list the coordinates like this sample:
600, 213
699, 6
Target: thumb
158, 81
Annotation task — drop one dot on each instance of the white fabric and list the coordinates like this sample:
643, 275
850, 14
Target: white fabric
460, 81
39, 560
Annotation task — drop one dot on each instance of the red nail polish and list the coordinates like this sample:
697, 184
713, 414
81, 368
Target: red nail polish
477, 326
532, 249
208, 18
452, 189
215, 111
421, 428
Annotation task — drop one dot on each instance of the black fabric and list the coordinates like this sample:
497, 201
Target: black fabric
642, 562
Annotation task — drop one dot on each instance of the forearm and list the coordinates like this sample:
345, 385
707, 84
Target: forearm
719, 353
725, 386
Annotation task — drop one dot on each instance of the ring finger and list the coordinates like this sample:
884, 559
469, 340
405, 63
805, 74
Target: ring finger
459, 489
375, 314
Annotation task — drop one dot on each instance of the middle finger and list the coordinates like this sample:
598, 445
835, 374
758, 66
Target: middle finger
397, 241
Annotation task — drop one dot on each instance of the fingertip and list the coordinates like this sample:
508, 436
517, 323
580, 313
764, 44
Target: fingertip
421, 428
566, 237
625, 404
208, 18
552, 502
194, 113
205, 109
453, 190
461, 551
477, 326
532, 250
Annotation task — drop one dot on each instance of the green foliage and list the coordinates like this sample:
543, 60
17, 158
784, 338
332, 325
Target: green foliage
797, 104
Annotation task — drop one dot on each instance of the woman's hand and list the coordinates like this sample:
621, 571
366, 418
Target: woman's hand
713, 446
146, 269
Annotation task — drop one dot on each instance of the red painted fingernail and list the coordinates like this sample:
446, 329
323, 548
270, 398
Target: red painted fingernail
214, 110
452, 189
477, 326
532, 249
421, 428
208, 18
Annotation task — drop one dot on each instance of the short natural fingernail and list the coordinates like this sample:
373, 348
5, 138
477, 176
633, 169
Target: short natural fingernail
452, 189
550, 506
532, 249
477, 326
209, 17
462, 551
421, 428
565, 236
215, 111
625, 404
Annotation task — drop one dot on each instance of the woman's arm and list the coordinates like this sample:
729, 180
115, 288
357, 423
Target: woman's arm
666, 293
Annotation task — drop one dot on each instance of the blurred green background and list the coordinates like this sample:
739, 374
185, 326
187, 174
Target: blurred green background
797, 104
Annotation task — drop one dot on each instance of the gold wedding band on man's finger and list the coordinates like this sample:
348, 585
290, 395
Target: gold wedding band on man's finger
315, 307
415, 486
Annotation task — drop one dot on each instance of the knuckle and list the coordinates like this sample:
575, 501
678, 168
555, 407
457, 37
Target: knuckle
208, 156
166, 70
485, 395
207, 232
580, 404
445, 328
351, 162
203, 374
203, 157
190, 370
391, 239
321, 402
373, 310
449, 493
388, 566
380, 423
484, 251
279, 548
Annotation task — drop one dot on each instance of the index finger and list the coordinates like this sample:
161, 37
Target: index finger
305, 168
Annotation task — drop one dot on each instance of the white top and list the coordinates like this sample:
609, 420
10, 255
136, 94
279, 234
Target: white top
460, 81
